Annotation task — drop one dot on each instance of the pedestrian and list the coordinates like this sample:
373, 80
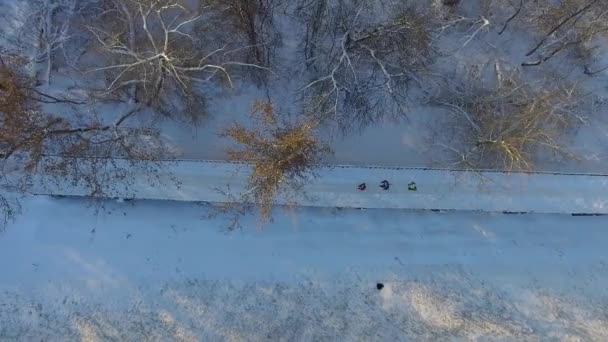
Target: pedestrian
412, 186
385, 185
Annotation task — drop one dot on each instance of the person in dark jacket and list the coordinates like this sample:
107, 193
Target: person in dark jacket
362, 187
385, 185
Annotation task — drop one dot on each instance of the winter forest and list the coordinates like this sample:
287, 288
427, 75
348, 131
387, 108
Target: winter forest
506, 85
311, 104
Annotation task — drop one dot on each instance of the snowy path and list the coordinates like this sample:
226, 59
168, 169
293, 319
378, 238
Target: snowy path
337, 187
160, 271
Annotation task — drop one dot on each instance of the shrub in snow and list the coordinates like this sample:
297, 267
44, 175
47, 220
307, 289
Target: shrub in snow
508, 125
282, 154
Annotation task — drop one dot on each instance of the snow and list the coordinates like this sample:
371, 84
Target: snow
14, 16
409, 142
157, 271
336, 186
164, 266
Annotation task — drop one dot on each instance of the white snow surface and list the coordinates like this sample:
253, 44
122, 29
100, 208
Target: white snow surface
158, 271
336, 186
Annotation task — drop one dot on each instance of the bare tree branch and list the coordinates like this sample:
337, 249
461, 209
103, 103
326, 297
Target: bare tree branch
504, 27
167, 57
361, 69
570, 24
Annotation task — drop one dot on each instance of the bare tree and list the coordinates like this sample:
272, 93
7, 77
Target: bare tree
567, 24
82, 149
362, 64
151, 56
54, 20
49, 27
252, 21
508, 126
42, 29
158, 57
281, 155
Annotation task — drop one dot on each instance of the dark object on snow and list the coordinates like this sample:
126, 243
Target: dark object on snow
451, 2
379, 286
362, 187
412, 186
385, 185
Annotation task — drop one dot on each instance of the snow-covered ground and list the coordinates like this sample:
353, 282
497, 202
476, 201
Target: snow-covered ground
164, 267
160, 271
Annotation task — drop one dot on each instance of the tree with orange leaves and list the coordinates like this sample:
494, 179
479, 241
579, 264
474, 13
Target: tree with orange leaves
282, 155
